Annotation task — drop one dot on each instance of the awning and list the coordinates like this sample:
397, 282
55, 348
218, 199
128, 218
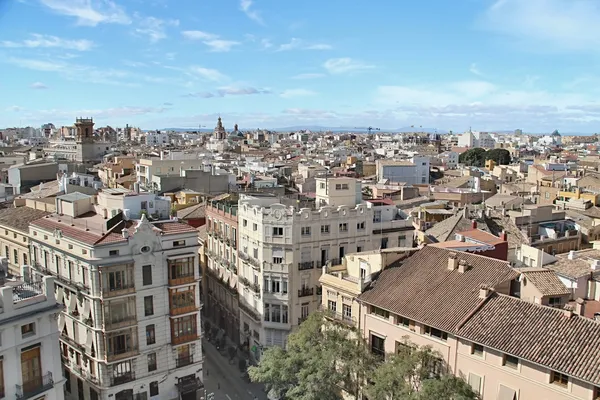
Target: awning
61, 323
278, 253
89, 341
506, 393
72, 302
59, 295
86, 308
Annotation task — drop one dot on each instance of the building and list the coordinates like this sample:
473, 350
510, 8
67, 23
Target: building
472, 139
282, 248
220, 278
30, 355
413, 172
129, 286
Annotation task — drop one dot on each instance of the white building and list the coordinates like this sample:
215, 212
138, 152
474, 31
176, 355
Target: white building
131, 323
30, 365
449, 159
412, 172
472, 139
282, 249
156, 138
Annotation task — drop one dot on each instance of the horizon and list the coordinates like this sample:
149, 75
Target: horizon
494, 65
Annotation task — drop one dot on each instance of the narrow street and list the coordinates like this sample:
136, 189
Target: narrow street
225, 380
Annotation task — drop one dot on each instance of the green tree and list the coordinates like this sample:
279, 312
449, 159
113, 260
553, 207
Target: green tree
320, 359
416, 373
473, 157
500, 156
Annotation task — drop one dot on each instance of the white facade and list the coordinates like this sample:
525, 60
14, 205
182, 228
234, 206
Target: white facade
476, 139
29, 350
131, 322
413, 172
157, 138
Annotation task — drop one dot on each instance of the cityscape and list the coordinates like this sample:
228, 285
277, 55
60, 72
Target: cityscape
272, 207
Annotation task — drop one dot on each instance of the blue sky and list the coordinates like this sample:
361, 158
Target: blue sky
488, 64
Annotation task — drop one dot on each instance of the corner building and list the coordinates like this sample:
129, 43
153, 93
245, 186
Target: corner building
130, 328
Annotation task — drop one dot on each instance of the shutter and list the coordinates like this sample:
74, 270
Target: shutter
475, 382
278, 252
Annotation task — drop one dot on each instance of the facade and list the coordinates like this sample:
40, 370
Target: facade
29, 357
413, 172
130, 324
283, 248
221, 279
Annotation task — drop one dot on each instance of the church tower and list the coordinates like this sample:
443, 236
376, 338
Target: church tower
85, 139
220, 133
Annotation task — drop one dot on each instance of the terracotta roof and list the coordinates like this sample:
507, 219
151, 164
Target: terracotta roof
19, 218
539, 334
89, 237
423, 289
192, 212
580, 266
481, 236
546, 281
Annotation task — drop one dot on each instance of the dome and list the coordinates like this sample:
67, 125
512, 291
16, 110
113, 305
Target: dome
555, 133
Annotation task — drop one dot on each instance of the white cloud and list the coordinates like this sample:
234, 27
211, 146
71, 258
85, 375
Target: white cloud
546, 24
290, 93
48, 41
89, 12
211, 40
308, 76
155, 29
345, 65
296, 43
239, 91
475, 70
208, 74
246, 7
14, 108
266, 43
38, 85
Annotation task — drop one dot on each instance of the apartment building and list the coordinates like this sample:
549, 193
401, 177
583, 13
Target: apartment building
282, 249
413, 172
14, 235
220, 278
29, 354
172, 164
130, 327
478, 314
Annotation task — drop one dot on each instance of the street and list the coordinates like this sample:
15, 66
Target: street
224, 379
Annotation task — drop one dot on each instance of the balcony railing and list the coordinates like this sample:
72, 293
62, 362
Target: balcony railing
341, 317
34, 386
250, 312
119, 322
184, 338
183, 361
121, 379
123, 353
178, 309
306, 291
182, 279
306, 265
27, 290
190, 385
118, 291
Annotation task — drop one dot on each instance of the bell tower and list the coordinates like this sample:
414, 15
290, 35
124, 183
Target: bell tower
85, 130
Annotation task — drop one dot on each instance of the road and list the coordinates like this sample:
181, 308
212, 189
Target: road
224, 379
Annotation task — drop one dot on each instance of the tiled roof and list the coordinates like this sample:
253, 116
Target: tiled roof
580, 266
424, 290
20, 217
546, 281
195, 211
540, 334
89, 237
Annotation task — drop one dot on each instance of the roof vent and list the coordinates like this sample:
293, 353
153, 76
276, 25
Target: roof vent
595, 265
452, 261
484, 291
568, 310
571, 255
463, 266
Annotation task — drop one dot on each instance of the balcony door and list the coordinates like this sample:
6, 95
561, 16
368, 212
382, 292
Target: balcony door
31, 369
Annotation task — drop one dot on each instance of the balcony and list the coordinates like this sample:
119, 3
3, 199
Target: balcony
306, 265
189, 385
121, 290
35, 386
184, 361
119, 322
178, 309
183, 338
249, 311
182, 279
121, 379
121, 354
341, 317
306, 291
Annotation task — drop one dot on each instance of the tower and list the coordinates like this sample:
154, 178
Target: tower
85, 139
220, 133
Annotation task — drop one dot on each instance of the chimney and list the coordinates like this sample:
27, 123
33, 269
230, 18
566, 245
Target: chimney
466, 212
504, 236
571, 255
579, 306
452, 261
473, 224
484, 291
595, 265
568, 311
125, 233
462, 266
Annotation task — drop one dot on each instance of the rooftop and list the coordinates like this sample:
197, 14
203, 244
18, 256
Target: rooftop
580, 266
19, 218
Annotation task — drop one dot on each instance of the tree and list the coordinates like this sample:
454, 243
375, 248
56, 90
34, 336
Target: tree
320, 359
416, 373
500, 156
473, 157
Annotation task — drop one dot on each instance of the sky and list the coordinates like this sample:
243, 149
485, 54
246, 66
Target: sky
448, 65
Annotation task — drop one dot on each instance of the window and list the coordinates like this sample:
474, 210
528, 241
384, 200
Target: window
245, 223
305, 231
555, 302
145, 249
267, 312
436, 333
477, 349
16, 256
144, 205
332, 305
148, 306
347, 312
275, 313
342, 186
67, 375
324, 228
559, 379
380, 312
475, 383
150, 335
377, 345
154, 388
152, 362
147, 275
284, 286
277, 260
28, 330
343, 227
304, 311
277, 231
254, 227
113, 253
510, 361
178, 243
25, 258
360, 226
